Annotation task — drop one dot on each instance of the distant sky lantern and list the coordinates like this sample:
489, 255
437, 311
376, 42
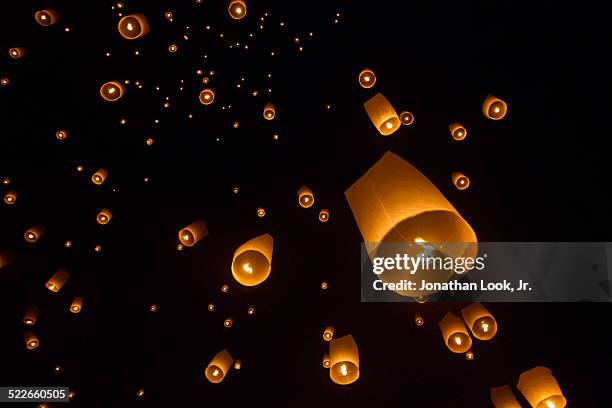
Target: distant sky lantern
17, 52
252, 260
457, 131
10, 197
4, 81
225, 288
219, 367
460, 180
480, 321
324, 215
5, 259
469, 355
406, 118
455, 334
228, 322
31, 340
190, 235
61, 134
381, 113
326, 360
104, 216
46, 17
261, 212
269, 111
99, 176
34, 233
541, 389
237, 9
76, 305
172, 48
328, 333
207, 96
237, 365
31, 316
140, 393
59, 279
366, 78
344, 360
211, 307
133, 26
494, 108
324, 285
153, 308
251, 311
168, 15
393, 202
111, 91
418, 320
305, 197
503, 397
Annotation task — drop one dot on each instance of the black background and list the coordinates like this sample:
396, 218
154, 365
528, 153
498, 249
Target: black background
538, 175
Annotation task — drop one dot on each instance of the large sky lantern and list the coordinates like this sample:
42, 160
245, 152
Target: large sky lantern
99, 176
344, 360
480, 321
494, 108
219, 367
31, 341
112, 91
46, 17
382, 114
305, 197
252, 260
207, 96
34, 233
31, 316
76, 305
541, 389
457, 131
269, 111
133, 26
191, 234
17, 52
460, 180
104, 216
393, 202
59, 279
10, 197
366, 78
328, 333
455, 334
237, 9
503, 397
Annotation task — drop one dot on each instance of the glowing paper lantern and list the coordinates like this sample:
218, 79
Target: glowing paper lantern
394, 202
494, 108
111, 91
252, 260
326, 361
381, 113
31, 340
34, 233
481, 322
172, 48
133, 26
457, 131
140, 393
305, 197
219, 367
190, 235
418, 320
10, 197
460, 180
324, 285
99, 176
261, 212
55, 283
251, 311
367, 78
5, 259
503, 397
455, 334
207, 96
61, 134
17, 52
344, 360
76, 305
237, 365
541, 389
237, 9
228, 323
46, 17
469, 355
406, 118
31, 316
269, 111
324, 215
328, 333
104, 216
211, 307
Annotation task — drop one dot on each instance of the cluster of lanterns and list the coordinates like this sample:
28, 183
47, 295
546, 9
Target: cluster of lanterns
478, 320
538, 386
342, 359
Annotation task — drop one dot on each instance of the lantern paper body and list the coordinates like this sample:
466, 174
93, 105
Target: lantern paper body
455, 334
46, 17
326, 360
305, 197
252, 260
133, 26
219, 367
189, 236
57, 280
5, 259
111, 91
460, 180
34, 233
381, 113
31, 316
457, 131
269, 111
10, 197
31, 340
76, 305
237, 9
328, 333
99, 176
541, 389
104, 217
207, 96
406, 118
503, 397
344, 360
393, 202
480, 321
494, 108
324, 215
367, 78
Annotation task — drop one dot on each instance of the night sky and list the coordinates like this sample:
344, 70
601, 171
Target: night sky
537, 175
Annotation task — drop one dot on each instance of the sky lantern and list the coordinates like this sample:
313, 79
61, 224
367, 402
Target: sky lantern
207, 96
99, 176
190, 235
305, 197
328, 333
503, 397
252, 260
460, 180
494, 108
10, 197
112, 91
17, 52
31, 316
237, 9
34, 233
455, 334
367, 78
133, 26
55, 283
457, 131
382, 114
406, 118
324, 215
344, 360
219, 367
104, 216
418, 320
480, 321
5, 259
31, 340
61, 134
76, 305
46, 17
541, 389
269, 111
